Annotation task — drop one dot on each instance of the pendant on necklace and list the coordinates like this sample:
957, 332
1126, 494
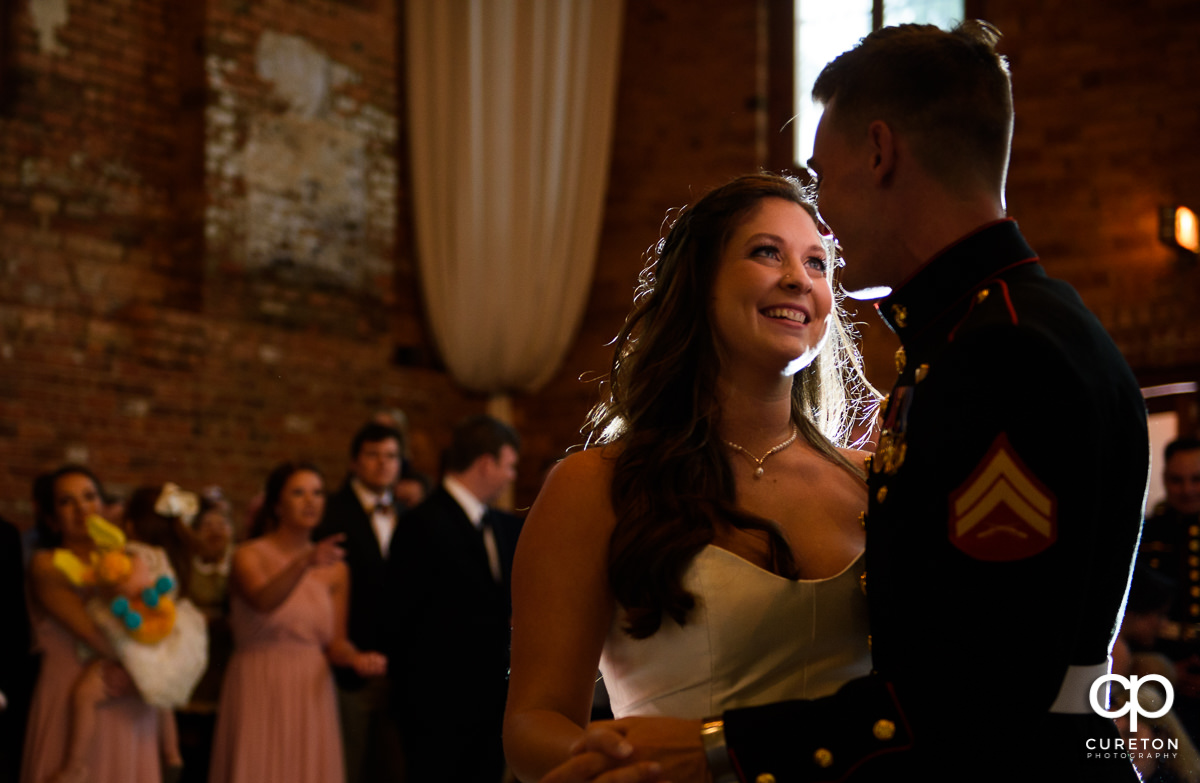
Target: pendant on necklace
758, 461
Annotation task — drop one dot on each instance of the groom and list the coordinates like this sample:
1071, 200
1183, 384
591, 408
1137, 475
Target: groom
1005, 497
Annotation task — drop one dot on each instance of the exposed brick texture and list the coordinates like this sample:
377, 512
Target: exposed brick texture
168, 308
1108, 113
189, 291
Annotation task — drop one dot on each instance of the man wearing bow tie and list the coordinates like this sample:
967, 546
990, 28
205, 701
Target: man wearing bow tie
365, 511
452, 562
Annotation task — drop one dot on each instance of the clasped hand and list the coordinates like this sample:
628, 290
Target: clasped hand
636, 750
369, 664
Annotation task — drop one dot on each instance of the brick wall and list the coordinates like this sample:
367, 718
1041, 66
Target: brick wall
206, 261
1108, 114
205, 243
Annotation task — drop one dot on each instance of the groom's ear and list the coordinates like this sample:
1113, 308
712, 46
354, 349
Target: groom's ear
881, 145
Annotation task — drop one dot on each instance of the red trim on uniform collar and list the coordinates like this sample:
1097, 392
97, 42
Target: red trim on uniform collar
945, 248
923, 280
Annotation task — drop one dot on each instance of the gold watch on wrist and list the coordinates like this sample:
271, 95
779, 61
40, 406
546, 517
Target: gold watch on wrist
712, 737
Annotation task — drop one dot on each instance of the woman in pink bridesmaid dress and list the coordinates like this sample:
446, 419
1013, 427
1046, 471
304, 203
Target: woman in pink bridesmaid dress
278, 716
125, 746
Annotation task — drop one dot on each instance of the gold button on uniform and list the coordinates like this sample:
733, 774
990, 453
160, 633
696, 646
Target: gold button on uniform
883, 730
867, 460
1192, 575
981, 296
900, 315
1193, 561
881, 495
901, 359
1194, 610
1194, 545
1195, 591
921, 372
1194, 530
862, 582
765, 777
823, 758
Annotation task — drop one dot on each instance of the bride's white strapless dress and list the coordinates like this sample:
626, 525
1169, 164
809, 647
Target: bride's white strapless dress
753, 638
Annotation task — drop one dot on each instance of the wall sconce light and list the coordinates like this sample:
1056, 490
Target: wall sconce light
1179, 228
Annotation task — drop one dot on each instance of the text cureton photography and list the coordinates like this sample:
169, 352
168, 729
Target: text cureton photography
1133, 706
1106, 748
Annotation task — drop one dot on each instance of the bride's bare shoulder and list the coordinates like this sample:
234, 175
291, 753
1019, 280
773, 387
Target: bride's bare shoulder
587, 464
577, 492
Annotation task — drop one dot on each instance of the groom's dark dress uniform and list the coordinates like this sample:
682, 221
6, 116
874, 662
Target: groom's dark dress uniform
1005, 502
453, 661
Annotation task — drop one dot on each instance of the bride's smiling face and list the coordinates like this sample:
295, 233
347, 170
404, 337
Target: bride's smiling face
771, 297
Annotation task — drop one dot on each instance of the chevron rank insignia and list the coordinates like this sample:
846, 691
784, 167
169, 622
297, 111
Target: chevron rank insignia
1002, 512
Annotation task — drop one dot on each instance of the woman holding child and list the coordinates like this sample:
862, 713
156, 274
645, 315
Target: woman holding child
125, 745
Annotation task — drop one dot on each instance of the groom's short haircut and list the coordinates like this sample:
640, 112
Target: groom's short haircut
948, 92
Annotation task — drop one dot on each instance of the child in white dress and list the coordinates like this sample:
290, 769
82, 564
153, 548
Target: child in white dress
160, 641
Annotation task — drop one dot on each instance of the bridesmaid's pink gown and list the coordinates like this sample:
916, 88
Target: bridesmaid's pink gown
278, 720
126, 742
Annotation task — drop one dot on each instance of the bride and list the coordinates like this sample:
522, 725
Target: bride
705, 550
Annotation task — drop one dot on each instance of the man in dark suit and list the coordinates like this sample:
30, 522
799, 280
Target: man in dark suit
364, 510
18, 667
452, 563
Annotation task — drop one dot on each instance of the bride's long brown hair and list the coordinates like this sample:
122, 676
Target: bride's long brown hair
672, 482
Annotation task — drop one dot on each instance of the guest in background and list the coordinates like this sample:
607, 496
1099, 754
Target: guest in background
18, 667
158, 637
125, 749
1134, 653
452, 564
212, 559
161, 515
278, 714
364, 512
1171, 546
412, 486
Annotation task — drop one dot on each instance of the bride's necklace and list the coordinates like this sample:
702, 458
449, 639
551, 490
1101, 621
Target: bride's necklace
758, 461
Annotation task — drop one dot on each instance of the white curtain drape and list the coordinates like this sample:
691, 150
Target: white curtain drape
510, 111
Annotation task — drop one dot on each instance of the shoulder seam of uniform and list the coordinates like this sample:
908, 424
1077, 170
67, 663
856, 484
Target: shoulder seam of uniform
1012, 311
1008, 304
